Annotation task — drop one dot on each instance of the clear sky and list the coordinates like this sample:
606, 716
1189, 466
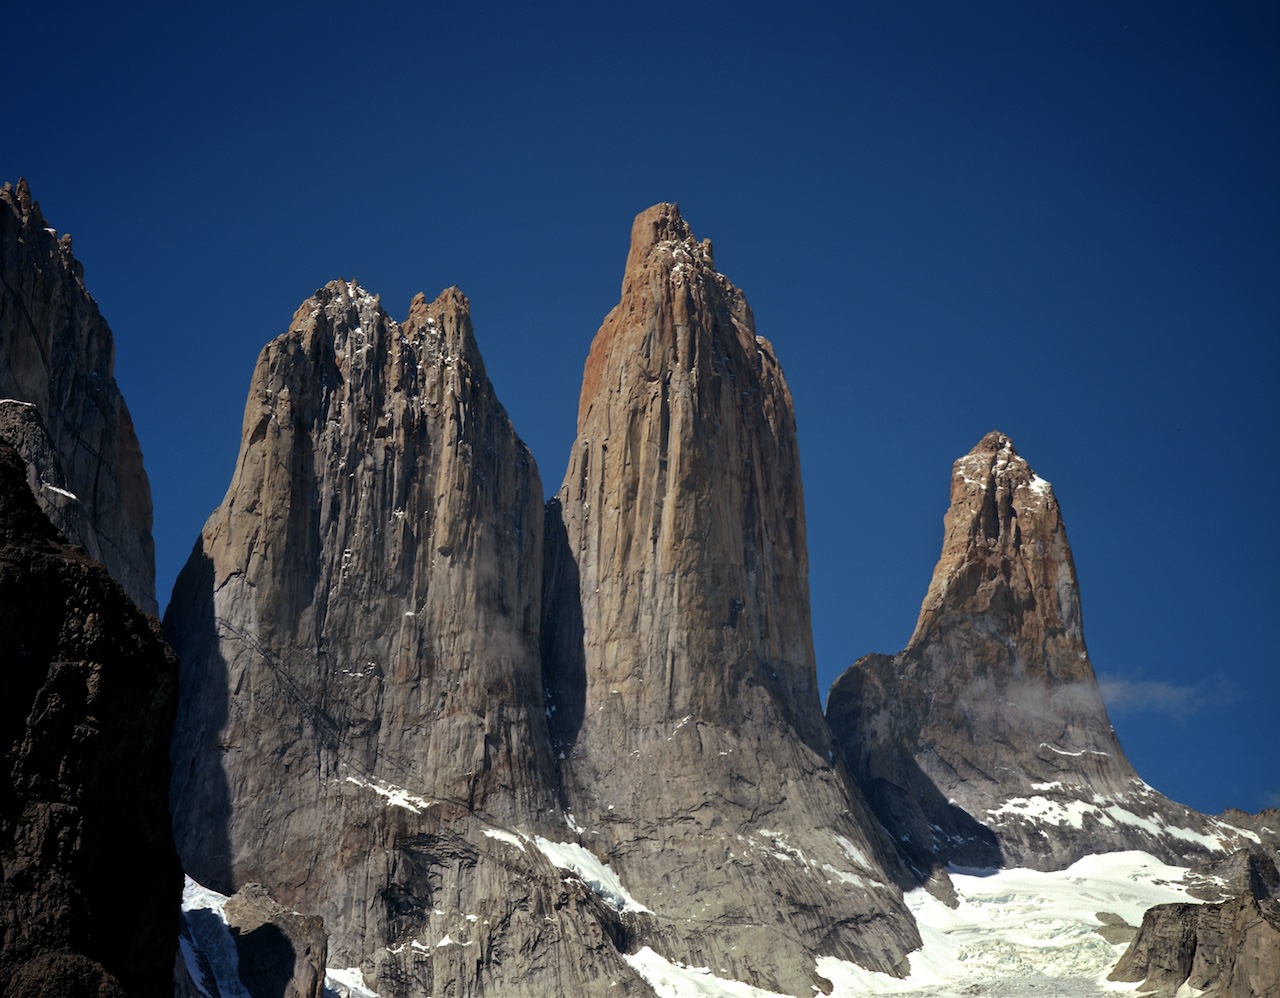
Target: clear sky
1057, 220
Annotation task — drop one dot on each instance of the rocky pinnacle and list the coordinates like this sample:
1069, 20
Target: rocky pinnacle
362, 728
677, 641
986, 741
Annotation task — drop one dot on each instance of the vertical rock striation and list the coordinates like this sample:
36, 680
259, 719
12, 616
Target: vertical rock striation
986, 741
362, 728
57, 355
677, 642
89, 878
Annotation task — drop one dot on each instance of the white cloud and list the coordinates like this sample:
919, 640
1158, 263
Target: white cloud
1149, 696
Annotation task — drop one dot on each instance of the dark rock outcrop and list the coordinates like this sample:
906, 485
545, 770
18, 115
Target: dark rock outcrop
986, 742
282, 954
89, 878
678, 650
362, 727
1224, 949
57, 354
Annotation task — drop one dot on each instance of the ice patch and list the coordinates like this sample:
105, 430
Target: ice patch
595, 874
674, 980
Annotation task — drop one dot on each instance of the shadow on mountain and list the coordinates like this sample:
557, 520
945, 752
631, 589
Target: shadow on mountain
564, 664
199, 797
267, 959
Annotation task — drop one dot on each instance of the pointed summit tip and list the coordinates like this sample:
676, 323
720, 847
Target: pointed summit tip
662, 228
995, 457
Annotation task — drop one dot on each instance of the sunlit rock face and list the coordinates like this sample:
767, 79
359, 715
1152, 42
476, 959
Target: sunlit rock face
59, 402
362, 727
677, 642
986, 742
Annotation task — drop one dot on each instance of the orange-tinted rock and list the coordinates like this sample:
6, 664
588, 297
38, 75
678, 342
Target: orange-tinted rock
678, 646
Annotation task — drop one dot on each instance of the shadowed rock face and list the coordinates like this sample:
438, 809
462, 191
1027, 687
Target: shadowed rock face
362, 698
677, 641
57, 355
986, 741
89, 878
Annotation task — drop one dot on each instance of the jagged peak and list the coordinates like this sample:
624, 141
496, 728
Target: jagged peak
660, 234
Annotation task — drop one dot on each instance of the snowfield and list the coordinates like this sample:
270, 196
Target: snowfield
1023, 932
1013, 933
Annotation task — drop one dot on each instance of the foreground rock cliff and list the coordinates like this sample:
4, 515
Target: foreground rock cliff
89, 877
678, 650
59, 402
362, 728
985, 742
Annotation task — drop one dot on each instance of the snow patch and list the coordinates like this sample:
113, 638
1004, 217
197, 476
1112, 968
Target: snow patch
501, 836
346, 982
595, 874
674, 980
396, 796
206, 944
1054, 748
61, 492
30, 405
1070, 812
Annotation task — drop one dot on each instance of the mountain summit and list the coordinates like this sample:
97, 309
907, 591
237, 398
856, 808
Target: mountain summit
985, 742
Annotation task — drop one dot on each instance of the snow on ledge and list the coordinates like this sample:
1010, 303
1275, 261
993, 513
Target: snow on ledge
674, 980
595, 874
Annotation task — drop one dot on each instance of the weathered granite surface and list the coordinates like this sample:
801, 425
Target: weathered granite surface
362, 727
57, 354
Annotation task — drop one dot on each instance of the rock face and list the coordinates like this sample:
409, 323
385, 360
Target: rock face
362, 727
57, 354
677, 643
1228, 948
986, 742
89, 877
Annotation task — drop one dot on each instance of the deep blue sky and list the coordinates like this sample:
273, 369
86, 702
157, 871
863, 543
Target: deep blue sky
1057, 220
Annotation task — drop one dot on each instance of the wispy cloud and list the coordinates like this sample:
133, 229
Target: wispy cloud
1150, 696
1270, 798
